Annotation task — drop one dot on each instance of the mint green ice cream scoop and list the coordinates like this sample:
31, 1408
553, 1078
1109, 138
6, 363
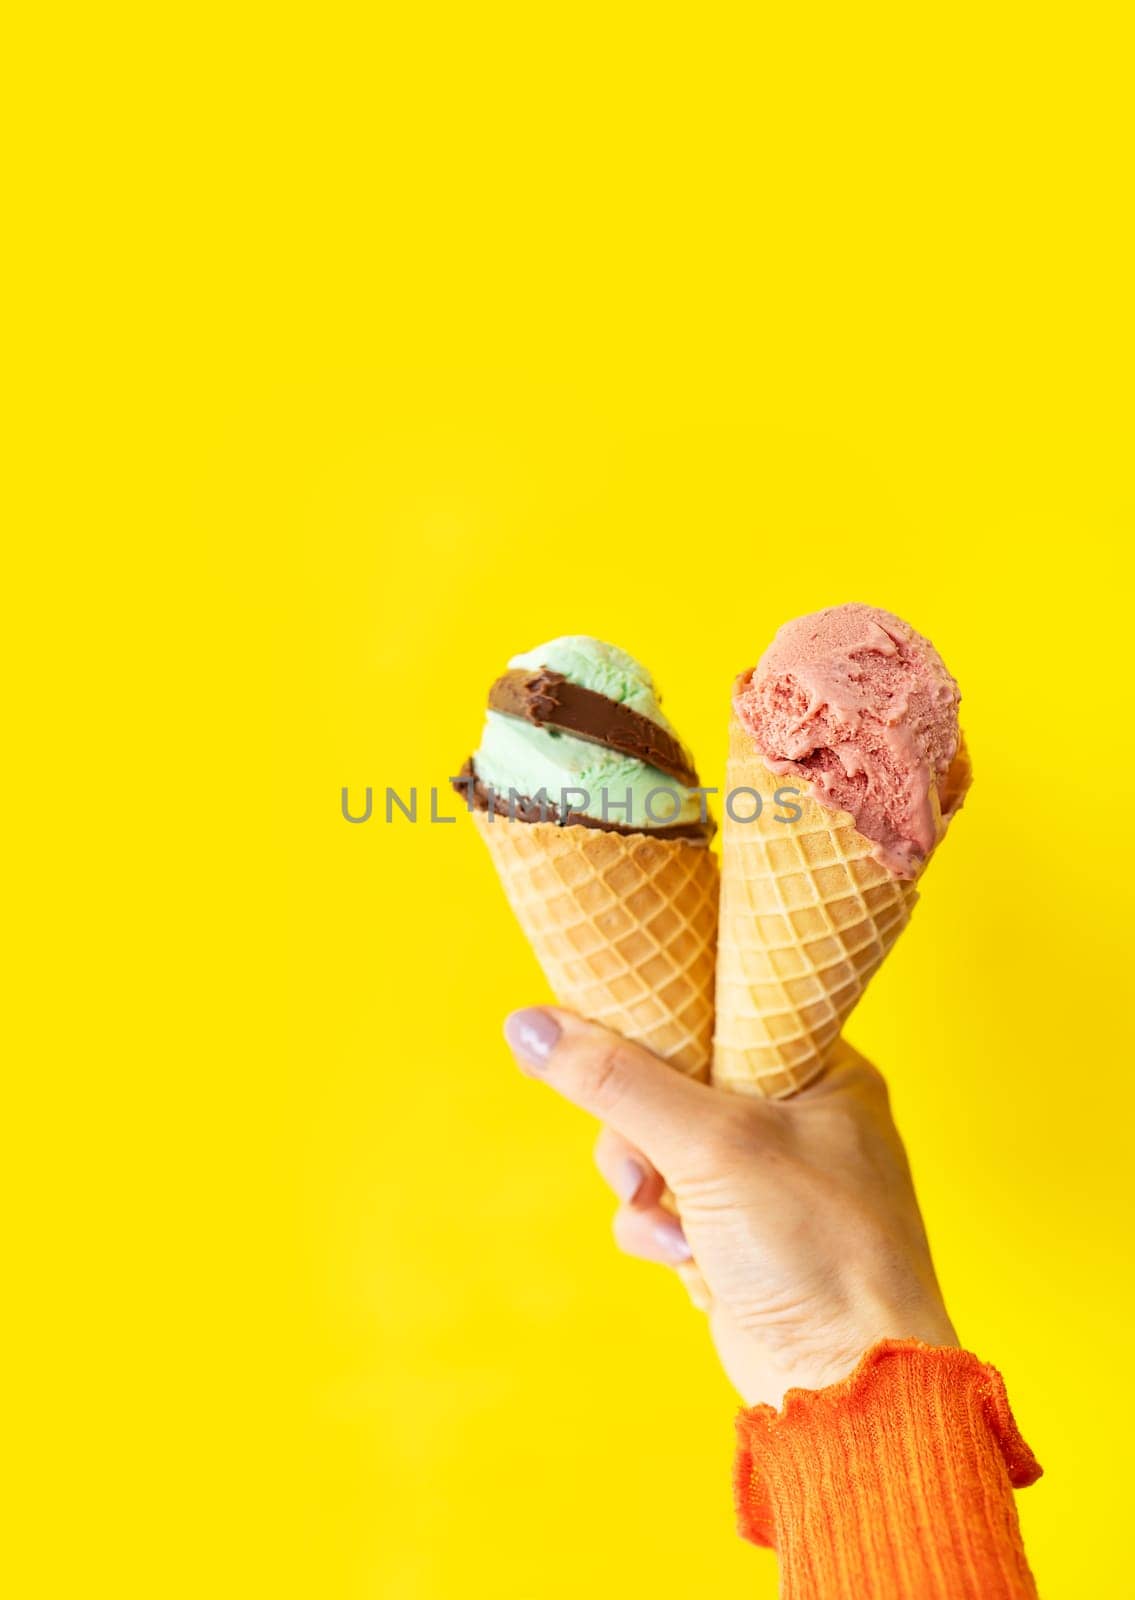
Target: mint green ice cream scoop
574, 734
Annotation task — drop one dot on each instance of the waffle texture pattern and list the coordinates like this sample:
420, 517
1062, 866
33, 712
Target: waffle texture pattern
623, 926
807, 916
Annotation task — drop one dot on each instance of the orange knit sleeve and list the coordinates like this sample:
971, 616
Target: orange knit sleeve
895, 1483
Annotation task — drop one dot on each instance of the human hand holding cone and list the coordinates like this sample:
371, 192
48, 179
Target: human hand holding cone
608, 873
847, 731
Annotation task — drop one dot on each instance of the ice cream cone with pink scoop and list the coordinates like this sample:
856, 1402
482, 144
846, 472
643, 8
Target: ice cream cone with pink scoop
846, 765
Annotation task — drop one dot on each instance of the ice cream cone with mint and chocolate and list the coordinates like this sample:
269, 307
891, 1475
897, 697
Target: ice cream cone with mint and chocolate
589, 807
848, 731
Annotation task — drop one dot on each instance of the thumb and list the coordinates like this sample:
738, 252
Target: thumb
629, 1088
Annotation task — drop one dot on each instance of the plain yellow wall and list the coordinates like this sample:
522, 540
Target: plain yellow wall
358, 353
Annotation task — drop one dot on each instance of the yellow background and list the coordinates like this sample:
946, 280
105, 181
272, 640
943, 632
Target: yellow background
355, 352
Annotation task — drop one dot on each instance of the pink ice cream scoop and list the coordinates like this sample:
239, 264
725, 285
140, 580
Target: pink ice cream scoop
859, 707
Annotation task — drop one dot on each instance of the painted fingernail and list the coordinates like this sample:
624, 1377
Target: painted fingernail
672, 1240
532, 1035
629, 1179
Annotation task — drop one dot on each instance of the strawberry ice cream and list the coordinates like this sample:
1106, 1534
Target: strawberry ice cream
860, 708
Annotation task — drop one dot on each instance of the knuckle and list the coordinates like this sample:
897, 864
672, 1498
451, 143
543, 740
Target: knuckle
867, 1087
877, 1085
607, 1151
622, 1230
734, 1125
606, 1076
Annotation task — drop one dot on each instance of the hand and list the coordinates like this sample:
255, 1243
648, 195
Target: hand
800, 1214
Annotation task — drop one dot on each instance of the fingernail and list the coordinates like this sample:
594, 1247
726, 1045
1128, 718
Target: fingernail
669, 1235
532, 1035
629, 1179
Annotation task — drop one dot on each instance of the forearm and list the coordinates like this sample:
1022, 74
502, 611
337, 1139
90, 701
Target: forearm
896, 1482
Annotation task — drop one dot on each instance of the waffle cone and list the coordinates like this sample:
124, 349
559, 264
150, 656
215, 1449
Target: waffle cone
623, 925
807, 916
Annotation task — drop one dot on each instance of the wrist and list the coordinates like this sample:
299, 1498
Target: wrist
874, 1323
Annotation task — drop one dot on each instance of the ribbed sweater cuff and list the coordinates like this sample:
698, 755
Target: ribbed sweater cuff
895, 1482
